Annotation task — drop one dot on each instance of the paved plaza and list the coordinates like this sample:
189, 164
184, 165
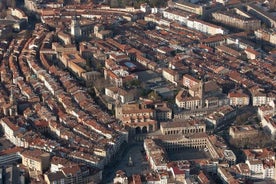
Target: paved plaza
140, 163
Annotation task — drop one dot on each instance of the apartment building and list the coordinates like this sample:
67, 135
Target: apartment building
238, 98
170, 75
205, 27
186, 6
36, 160
237, 20
267, 35
242, 132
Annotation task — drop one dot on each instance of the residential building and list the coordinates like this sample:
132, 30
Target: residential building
268, 122
119, 94
155, 154
177, 15
264, 111
238, 98
186, 6
256, 168
171, 75
265, 16
55, 177
243, 132
36, 160
225, 175
162, 112
221, 115
11, 130
252, 54
267, 35
261, 163
258, 97
66, 38
238, 19
205, 27
241, 170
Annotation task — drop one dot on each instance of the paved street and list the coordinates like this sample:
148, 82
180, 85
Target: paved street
139, 161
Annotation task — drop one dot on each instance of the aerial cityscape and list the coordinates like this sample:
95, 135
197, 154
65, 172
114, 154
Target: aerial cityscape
137, 91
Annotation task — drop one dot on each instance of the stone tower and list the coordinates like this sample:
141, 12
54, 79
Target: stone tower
201, 92
75, 28
118, 107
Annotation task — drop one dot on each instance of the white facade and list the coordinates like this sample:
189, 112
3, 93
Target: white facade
119, 94
188, 104
205, 27
11, 132
120, 179
269, 172
268, 123
172, 15
256, 168
259, 100
239, 101
170, 75
75, 28
261, 170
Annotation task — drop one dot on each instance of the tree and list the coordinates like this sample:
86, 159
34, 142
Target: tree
241, 119
114, 4
133, 84
154, 96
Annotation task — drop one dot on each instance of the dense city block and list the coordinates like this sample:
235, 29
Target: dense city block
138, 91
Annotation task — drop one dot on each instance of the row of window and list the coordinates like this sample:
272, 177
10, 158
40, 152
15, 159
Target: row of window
185, 131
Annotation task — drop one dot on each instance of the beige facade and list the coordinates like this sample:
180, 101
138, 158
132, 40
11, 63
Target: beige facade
187, 127
136, 118
238, 99
36, 159
236, 21
192, 99
266, 35
186, 6
241, 132
171, 75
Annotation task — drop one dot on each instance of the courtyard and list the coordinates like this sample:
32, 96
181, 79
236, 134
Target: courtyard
187, 154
